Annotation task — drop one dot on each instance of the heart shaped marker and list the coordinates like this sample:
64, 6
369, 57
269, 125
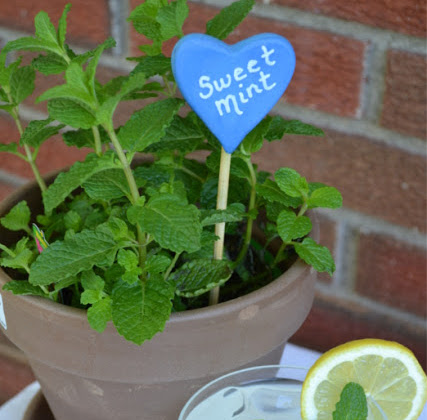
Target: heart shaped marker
232, 87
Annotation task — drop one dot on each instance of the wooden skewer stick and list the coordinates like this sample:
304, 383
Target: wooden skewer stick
221, 204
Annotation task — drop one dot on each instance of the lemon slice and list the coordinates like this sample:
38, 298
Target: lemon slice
394, 382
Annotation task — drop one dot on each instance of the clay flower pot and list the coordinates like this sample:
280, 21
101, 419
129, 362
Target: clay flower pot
91, 376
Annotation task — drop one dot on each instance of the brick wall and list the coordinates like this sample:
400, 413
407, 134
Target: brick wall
361, 76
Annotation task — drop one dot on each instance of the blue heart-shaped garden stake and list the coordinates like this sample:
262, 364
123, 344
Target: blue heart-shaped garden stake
232, 87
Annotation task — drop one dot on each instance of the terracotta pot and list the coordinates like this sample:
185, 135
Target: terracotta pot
85, 375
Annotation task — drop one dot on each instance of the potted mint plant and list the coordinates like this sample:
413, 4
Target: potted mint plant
108, 265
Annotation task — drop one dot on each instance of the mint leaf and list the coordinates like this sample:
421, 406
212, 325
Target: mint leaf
84, 138
143, 18
62, 25
107, 185
107, 108
199, 276
91, 281
325, 197
171, 18
148, 125
157, 264
316, 255
66, 182
279, 127
31, 44
153, 65
182, 135
100, 313
44, 28
290, 226
173, 224
20, 257
22, 83
235, 212
49, 64
63, 259
291, 182
9, 148
229, 18
271, 192
352, 404
22, 287
76, 88
127, 259
72, 113
18, 217
140, 310
38, 131
253, 141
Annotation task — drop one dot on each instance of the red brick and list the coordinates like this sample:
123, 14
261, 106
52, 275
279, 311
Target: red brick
329, 68
393, 273
332, 322
14, 376
54, 154
404, 108
375, 179
405, 16
88, 21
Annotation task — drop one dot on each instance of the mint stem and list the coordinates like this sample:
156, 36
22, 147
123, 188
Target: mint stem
97, 138
30, 158
221, 204
133, 189
249, 226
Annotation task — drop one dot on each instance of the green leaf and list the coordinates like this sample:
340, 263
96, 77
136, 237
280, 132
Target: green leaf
71, 113
171, 18
44, 28
271, 192
316, 255
182, 135
90, 281
84, 138
22, 287
119, 228
199, 276
173, 224
290, 226
148, 125
352, 404
18, 217
100, 313
253, 141
291, 183
22, 83
31, 44
152, 50
106, 110
49, 64
66, 182
63, 259
107, 185
233, 213
279, 127
325, 197
90, 296
153, 65
127, 259
9, 148
20, 257
229, 18
157, 264
73, 220
143, 18
38, 131
76, 88
62, 25
140, 310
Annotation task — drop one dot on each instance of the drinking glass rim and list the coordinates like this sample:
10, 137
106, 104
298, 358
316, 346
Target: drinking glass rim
236, 372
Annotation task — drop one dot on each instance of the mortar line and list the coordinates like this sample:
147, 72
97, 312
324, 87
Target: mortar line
118, 26
347, 125
12, 179
367, 224
337, 26
379, 308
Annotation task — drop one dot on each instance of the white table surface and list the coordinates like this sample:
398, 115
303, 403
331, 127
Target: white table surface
14, 409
